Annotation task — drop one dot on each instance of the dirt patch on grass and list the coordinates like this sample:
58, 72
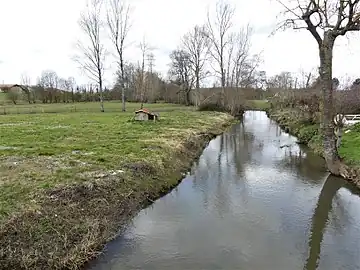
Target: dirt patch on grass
69, 224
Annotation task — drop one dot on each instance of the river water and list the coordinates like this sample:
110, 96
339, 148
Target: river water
254, 200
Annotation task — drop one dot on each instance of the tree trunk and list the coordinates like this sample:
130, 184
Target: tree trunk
123, 97
330, 152
197, 75
187, 96
122, 82
101, 96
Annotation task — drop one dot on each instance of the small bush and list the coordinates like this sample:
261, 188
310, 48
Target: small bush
306, 133
224, 102
235, 110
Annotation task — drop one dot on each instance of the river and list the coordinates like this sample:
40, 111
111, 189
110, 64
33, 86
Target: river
254, 200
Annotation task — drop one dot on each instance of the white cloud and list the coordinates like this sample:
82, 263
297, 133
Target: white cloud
41, 34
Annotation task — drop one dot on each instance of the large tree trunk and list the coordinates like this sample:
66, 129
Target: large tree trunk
187, 97
330, 152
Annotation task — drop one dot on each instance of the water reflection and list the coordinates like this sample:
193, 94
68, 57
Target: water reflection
250, 203
320, 218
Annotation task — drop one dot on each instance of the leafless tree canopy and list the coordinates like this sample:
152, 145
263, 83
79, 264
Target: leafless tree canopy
92, 51
337, 16
195, 44
219, 35
119, 27
145, 49
181, 72
230, 49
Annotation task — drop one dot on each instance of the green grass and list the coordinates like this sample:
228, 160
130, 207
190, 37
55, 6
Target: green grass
60, 176
350, 146
260, 105
54, 145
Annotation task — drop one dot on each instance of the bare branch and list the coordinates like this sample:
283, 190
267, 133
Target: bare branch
218, 34
196, 45
117, 16
335, 16
93, 55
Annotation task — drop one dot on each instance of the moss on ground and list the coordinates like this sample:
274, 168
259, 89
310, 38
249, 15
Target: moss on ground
69, 181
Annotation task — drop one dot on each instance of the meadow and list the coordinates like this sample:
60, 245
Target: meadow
76, 176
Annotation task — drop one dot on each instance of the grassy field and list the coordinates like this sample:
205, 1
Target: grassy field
89, 107
112, 106
70, 180
259, 105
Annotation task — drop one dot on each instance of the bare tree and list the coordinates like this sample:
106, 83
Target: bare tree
240, 66
26, 82
93, 53
49, 79
49, 83
119, 26
284, 80
219, 36
325, 20
195, 44
305, 79
145, 48
181, 72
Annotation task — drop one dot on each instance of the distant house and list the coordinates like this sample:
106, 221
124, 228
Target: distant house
5, 88
145, 115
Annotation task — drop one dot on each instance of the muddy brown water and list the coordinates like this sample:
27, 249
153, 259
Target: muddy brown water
254, 200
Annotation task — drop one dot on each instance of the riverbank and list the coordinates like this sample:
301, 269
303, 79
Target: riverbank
294, 122
257, 105
71, 181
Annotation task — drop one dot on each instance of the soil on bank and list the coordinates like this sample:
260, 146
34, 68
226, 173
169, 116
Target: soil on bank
70, 182
297, 123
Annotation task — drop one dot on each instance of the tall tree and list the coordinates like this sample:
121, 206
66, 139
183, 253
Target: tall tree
93, 51
26, 82
144, 48
240, 65
195, 44
219, 36
181, 72
325, 20
119, 27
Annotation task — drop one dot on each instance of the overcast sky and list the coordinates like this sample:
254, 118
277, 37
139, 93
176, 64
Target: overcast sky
41, 34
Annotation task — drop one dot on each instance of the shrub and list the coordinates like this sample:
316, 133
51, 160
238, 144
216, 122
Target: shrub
235, 110
306, 133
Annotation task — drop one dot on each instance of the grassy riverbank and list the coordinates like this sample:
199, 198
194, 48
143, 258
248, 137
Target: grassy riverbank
257, 105
69, 181
291, 120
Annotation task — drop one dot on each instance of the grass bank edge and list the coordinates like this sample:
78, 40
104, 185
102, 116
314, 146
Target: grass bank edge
74, 222
308, 134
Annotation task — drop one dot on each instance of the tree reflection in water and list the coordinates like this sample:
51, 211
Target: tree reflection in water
321, 216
